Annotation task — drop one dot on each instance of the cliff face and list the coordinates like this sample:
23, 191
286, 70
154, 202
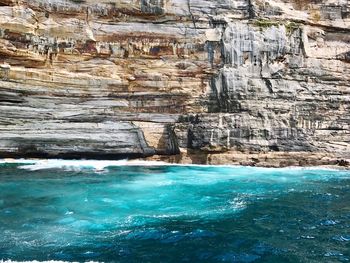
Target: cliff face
221, 81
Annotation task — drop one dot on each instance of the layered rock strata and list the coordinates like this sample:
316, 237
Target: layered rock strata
202, 81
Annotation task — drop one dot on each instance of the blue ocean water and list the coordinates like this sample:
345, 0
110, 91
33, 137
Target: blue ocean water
173, 214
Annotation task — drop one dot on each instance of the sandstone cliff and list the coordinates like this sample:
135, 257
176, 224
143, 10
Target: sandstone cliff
262, 82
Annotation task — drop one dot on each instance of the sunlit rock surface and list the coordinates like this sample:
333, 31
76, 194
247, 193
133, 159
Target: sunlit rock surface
201, 81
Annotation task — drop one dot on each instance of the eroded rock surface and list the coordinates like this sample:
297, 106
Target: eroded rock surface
137, 78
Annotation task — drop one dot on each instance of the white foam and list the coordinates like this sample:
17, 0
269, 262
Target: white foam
97, 165
46, 261
70, 164
20, 161
100, 165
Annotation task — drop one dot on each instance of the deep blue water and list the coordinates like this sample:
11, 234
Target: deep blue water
174, 214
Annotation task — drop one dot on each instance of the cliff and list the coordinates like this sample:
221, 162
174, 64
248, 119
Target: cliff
259, 82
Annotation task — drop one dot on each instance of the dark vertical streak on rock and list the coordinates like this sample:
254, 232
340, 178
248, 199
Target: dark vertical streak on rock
191, 15
251, 11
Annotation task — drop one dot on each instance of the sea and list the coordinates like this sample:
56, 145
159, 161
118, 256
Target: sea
124, 211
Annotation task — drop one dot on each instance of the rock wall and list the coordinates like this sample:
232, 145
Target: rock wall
199, 80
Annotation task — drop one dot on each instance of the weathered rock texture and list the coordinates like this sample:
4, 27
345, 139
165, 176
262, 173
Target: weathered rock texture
225, 81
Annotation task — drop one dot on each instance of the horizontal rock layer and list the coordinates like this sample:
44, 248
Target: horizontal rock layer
120, 79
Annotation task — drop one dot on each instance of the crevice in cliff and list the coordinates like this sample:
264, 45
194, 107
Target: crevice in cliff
172, 142
146, 150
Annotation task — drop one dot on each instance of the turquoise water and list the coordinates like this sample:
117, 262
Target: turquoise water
173, 214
